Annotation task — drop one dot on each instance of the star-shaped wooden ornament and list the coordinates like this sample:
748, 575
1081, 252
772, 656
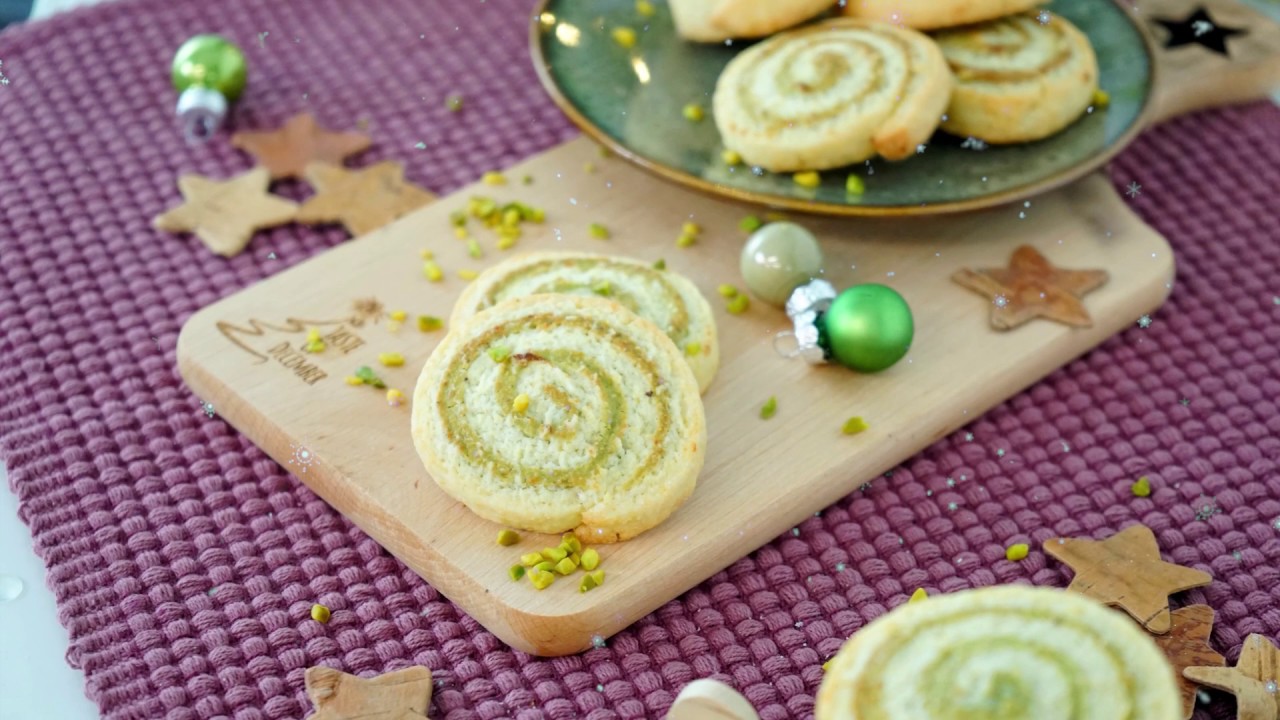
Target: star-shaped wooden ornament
362, 200
224, 214
1187, 645
400, 695
1126, 571
1030, 288
287, 151
1253, 680
1198, 29
708, 699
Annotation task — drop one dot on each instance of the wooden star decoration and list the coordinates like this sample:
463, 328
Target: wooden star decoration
400, 695
287, 151
224, 214
1030, 288
1126, 571
1253, 680
1187, 645
708, 699
1198, 29
362, 200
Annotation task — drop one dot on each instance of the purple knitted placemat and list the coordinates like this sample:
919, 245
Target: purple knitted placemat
185, 561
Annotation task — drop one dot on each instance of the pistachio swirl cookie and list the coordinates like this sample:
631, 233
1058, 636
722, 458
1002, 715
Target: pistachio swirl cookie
716, 20
935, 14
1009, 652
553, 413
830, 94
667, 299
1017, 78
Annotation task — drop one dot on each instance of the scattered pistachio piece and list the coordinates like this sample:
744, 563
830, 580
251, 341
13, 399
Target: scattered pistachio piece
604, 152
1101, 98
853, 426
554, 554
727, 291
398, 315
575, 545
918, 595
769, 409
808, 179
1141, 487
391, 359
429, 323
506, 241
644, 8
467, 274
750, 223
738, 304
427, 254
511, 217
395, 398
693, 112
461, 233
432, 271
366, 375
686, 240
1016, 552
603, 288
545, 566
493, 178
659, 264
530, 559
453, 102
827, 665
691, 228
598, 231
527, 180
499, 353
520, 404
587, 584
597, 576
507, 538
624, 36
589, 167
516, 572
590, 559
353, 380
320, 613
692, 349
730, 157
474, 249
541, 579
566, 566
853, 185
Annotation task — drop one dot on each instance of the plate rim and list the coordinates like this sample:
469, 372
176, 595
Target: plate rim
1143, 120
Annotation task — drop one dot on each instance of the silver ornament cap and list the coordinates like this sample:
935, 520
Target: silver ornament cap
804, 306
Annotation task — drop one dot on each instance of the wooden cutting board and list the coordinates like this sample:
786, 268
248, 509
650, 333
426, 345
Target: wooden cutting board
761, 478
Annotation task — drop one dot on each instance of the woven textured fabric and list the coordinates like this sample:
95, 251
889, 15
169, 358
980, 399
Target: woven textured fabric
185, 561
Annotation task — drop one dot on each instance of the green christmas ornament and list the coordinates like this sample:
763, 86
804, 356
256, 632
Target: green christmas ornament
209, 72
867, 328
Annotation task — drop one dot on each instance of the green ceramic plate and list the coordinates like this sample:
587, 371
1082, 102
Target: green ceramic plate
631, 100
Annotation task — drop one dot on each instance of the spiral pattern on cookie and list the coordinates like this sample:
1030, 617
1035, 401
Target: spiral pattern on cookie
831, 94
665, 298
1001, 653
1019, 78
553, 413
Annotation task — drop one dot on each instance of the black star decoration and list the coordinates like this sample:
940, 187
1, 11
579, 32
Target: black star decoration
1200, 29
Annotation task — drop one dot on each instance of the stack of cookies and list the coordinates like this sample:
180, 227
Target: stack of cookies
872, 83
566, 396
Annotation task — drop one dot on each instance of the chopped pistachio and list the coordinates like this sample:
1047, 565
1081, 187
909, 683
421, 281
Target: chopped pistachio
320, 613
506, 242
1101, 98
461, 233
853, 185
590, 559
853, 426
750, 223
566, 566
738, 304
659, 264
686, 240
314, 346
575, 545
507, 538
1141, 487
366, 375
398, 315
644, 8
597, 576
554, 554
499, 353
538, 215
474, 249
467, 274
427, 254
624, 36
545, 566
391, 359
395, 398
530, 559
1016, 552
827, 665
603, 288
575, 557
808, 179
520, 404
769, 409
431, 271
692, 349
453, 102
527, 180
458, 218
589, 167
428, 323
691, 228
512, 217
353, 380
727, 291
587, 584
730, 157
516, 572
598, 231
493, 178
918, 595
693, 112
541, 579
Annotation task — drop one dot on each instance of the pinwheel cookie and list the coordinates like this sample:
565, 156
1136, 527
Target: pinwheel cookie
934, 14
1010, 652
831, 94
667, 299
1019, 78
716, 20
557, 412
